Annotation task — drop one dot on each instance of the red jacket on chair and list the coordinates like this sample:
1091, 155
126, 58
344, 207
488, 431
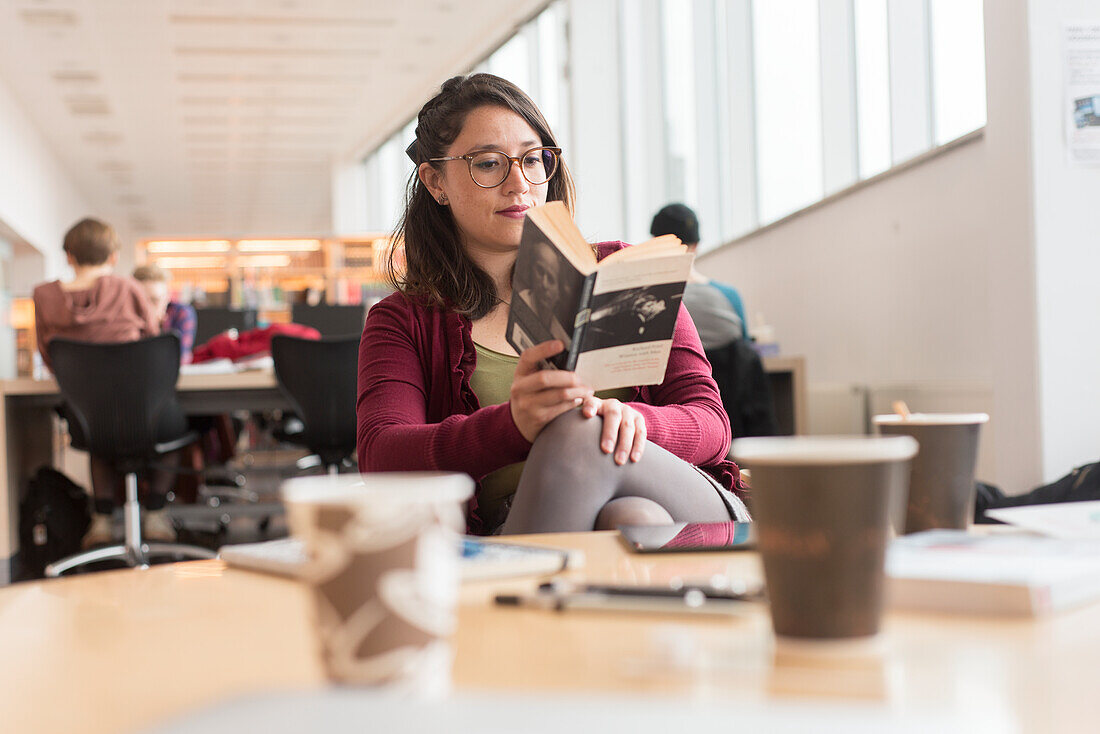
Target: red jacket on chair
249, 343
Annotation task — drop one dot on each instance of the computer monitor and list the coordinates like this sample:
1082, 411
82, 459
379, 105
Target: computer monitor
213, 321
330, 320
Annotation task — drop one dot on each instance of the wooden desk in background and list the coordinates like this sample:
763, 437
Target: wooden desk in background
124, 650
27, 415
26, 424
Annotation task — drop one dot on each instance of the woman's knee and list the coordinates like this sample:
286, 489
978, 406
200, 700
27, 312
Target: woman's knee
631, 511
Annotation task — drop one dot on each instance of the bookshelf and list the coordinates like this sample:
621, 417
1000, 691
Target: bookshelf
270, 274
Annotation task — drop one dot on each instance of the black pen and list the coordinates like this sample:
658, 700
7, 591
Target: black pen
692, 602
708, 592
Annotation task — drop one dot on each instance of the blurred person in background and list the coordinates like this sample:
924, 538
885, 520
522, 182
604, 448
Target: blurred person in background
99, 306
716, 308
173, 316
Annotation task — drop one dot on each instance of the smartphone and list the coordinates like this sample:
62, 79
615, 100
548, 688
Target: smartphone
689, 536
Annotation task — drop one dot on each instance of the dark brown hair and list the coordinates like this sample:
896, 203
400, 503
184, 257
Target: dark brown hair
436, 264
91, 242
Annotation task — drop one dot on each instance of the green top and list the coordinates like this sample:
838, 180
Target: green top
492, 384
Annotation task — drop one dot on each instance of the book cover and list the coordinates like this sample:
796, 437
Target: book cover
616, 317
547, 292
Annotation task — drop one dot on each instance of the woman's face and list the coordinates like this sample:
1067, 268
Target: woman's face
489, 220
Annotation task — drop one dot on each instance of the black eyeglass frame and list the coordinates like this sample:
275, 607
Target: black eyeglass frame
518, 160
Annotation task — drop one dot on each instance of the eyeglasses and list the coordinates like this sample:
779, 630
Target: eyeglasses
489, 168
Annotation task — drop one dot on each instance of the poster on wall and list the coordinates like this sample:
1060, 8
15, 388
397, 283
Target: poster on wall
1082, 96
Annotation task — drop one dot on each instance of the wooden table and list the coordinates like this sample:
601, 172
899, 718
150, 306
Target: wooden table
123, 650
26, 422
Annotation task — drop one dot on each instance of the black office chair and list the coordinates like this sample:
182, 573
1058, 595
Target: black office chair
209, 322
743, 385
330, 320
318, 378
121, 404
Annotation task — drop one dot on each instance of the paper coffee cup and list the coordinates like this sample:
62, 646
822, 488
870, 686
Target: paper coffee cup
383, 566
941, 489
821, 508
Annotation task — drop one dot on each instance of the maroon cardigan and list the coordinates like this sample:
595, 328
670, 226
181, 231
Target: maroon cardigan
415, 409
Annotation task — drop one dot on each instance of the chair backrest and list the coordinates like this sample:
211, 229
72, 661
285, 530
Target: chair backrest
330, 320
212, 321
120, 394
319, 377
745, 390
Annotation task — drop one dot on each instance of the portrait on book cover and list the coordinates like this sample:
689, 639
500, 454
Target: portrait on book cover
546, 284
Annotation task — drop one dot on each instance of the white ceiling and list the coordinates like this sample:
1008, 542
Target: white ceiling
224, 117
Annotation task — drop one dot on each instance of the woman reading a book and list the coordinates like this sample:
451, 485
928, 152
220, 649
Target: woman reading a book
440, 387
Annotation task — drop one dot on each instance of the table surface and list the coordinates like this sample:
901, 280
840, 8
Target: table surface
245, 380
120, 651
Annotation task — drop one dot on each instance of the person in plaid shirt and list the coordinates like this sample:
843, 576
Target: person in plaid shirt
177, 317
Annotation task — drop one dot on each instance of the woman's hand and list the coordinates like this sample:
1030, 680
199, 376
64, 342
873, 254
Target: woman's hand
539, 396
623, 427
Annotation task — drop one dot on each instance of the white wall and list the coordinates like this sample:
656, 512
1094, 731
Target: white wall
1067, 253
350, 195
38, 201
925, 276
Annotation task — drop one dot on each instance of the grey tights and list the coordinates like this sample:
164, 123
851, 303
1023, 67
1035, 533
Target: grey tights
568, 484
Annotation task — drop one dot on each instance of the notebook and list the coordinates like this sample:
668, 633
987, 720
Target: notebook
480, 559
1004, 574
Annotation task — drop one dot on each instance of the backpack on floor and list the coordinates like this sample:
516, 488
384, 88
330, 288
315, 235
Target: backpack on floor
1080, 485
53, 517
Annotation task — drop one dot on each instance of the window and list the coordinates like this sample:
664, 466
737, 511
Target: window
512, 61
745, 110
958, 68
679, 100
788, 106
872, 86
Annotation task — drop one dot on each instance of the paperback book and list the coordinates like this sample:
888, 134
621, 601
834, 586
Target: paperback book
615, 317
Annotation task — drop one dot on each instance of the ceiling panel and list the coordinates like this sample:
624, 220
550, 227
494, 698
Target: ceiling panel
199, 117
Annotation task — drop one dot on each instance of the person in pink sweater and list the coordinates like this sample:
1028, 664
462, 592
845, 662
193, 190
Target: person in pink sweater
440, 388
99, 306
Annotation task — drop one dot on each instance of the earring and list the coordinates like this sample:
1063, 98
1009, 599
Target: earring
443, 199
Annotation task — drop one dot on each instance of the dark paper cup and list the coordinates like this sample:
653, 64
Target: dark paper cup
383, 567
821, 506
941, 489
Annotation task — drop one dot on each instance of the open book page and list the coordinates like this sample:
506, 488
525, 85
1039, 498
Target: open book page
663, 246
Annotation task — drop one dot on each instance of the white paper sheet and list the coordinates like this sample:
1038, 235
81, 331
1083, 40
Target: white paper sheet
1063, 520
1081, 41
